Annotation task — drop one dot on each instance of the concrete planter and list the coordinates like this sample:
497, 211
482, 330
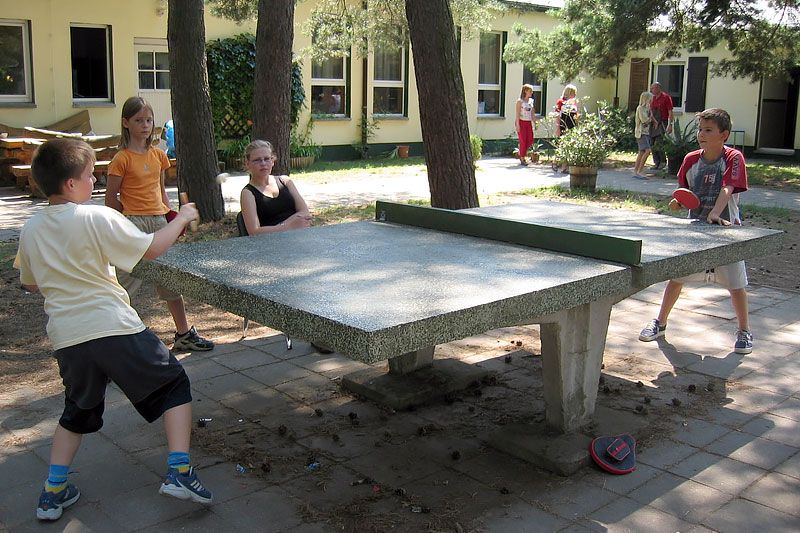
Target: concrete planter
582, 178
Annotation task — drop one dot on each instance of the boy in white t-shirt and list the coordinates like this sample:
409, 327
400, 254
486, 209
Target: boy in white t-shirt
68, 252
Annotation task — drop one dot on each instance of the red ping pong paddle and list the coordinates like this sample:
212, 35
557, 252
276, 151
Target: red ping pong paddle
686, 198
170, 216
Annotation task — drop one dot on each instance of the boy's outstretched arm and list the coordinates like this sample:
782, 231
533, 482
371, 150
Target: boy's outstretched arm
719, 206
163, 238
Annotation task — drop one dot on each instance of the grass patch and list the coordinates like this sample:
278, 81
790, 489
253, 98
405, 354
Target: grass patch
8, 250
327, 171
620, 159
780, 176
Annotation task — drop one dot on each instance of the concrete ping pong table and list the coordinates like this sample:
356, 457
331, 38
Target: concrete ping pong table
394, 288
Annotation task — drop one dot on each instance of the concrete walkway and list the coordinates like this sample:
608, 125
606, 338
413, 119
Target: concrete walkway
725, 456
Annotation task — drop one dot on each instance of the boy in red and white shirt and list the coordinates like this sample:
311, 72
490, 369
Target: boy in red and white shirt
716, 174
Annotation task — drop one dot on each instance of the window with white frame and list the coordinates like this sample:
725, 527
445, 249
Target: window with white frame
328, 84
538, 90
91, 63
15, 61
153, 70
490, 87
672, 77
388, 93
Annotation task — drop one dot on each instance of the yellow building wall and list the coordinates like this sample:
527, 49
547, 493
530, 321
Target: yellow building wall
50, 41
50, 25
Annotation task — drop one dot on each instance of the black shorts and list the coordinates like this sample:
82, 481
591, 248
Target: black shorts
140, 364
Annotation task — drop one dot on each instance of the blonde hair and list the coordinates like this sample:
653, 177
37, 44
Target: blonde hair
645, 98
570, 91
131, 107
257, 145
526, 87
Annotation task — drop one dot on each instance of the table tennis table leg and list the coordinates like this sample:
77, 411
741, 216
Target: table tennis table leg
573, 342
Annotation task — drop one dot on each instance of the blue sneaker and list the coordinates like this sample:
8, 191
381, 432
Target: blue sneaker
185, 486
51, 504
652, 331
744, 342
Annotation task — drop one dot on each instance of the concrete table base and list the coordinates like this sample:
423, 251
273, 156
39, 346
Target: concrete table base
423, 385
566, 453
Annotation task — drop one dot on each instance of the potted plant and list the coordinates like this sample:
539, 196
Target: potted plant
302, 149
679, 143
583, 149
534, 151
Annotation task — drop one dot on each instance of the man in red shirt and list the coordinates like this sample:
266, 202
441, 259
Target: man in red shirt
662, 113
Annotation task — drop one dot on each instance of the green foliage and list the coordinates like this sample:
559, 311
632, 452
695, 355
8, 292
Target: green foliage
476, 144
233, 151
596, 36
681, 141
339, 27
368, 127
587, 144
301, 144
238, 10
619, 124
231, 66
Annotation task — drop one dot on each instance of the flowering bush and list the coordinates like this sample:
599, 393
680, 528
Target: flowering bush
587, 144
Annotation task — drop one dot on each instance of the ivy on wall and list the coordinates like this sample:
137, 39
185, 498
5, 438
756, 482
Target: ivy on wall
231, 64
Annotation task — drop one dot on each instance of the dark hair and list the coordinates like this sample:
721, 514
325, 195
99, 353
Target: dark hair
133, 105
57, 161
718, 116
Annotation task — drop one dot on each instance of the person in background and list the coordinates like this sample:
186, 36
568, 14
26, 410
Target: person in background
644, 119
136, 189
567, 109
525, 122
661, 107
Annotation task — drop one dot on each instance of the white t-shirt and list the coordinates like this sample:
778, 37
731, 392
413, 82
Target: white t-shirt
526, 109
68, 251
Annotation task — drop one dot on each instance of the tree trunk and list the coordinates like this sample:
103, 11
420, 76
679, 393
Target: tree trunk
191, 108
272, 85
443, 110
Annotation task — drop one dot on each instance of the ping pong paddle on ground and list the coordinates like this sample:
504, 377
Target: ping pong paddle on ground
185, 200
686, 198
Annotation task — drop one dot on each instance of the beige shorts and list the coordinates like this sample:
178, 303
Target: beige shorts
148, 224
733, 276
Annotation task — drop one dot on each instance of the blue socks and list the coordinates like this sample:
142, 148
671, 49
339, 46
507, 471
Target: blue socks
56, 478
179, 461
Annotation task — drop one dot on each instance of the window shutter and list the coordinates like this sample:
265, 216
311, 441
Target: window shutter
696, 84
640, 69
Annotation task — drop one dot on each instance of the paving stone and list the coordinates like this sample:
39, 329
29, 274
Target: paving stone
228, 385
17, 468
573, 500
743, 516
698, 432
270, 508
662, 454
747, 399
718, 472
247, 358
778, 383
320, 363
621, 484
680, 497
625, 514
790, 467
519, 517
276, 373
777, 491
774, 428
309, 389
204, 369
751, 450
258, 404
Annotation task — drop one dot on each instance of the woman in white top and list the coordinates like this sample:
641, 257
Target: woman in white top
525, 122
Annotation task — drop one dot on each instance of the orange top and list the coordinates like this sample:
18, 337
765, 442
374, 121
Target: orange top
140, 190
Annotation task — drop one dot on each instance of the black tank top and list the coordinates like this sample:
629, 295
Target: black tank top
273, 211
